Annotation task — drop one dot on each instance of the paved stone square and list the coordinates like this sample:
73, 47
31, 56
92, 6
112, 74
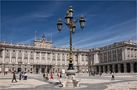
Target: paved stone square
104, 82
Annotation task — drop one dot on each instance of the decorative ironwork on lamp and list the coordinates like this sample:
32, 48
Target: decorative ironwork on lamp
71, 24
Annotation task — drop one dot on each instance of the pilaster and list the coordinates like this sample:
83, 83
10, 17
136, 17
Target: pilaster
119, 68
16, 56
51, 58
131, 67
28, 57
35, 57
125, 68
46, 58
10, 56
40, 61
61, 61
3, 56
22, 56
65, 59
56, 58
113, 67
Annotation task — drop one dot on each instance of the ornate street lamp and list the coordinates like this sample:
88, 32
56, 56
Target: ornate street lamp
71, 24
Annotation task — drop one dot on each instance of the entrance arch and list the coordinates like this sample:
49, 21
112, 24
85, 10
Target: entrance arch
19, 70
101, 69
116, 68
121, 68
128, 67
135, 67
105, 68
110, 69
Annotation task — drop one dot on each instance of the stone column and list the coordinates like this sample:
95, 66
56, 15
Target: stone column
40, 58
3, 56
103, 68
131, 67
35, 57
125, 54
80, 59
40, 69
99, 69
28, 57
65, 59
84, 57
10, 56
129, 53
51, 58
119, 69
107, 57
108, 69
60, 58
46, 69
16, 57
46, 59
125, 68
23, 56
111, 52
3, 60
113, 67
55, 58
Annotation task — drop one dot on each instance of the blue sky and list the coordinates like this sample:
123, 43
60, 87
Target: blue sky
106, 22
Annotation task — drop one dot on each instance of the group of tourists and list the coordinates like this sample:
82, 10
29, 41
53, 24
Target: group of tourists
47, 77
22, 75
112, 75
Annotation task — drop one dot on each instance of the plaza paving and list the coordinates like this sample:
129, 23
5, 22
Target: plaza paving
104, 82
30, 83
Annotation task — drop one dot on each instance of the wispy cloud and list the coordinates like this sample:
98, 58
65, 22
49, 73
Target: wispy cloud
105, 23
122, 31
42, 15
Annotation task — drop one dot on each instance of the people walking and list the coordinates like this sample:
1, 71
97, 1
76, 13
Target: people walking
20, 76
43, 75
25, 76
46, 76
112, 77
14, 77
51, 75
60, 74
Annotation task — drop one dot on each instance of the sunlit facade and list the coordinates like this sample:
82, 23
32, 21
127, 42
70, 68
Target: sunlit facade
40, 57
120, 57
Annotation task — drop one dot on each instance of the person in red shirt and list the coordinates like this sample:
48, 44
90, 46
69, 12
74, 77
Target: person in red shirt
51, 75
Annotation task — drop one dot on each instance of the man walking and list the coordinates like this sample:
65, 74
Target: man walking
20, 75
112, 77
14, 77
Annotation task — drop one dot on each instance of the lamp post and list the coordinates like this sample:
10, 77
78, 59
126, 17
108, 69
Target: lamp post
71, 24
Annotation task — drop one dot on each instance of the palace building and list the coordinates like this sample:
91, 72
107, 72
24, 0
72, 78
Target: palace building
42, 56
120, 57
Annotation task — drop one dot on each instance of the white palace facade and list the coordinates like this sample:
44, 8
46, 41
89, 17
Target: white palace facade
41, 57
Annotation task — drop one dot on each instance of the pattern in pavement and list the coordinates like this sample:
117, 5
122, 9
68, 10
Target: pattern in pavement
91, 82
30, 83
130, 85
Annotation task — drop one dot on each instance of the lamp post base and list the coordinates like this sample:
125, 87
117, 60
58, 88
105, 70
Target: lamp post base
70, 81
